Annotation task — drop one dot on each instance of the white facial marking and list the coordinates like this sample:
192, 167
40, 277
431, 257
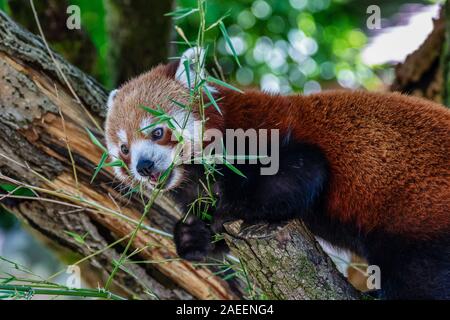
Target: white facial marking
144, 124
146, 149
113, 151
122, 134
111, 97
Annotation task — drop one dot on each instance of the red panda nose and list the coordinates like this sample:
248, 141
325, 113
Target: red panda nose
144, 167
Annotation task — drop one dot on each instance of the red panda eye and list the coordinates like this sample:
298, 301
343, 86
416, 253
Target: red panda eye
157, 133
124, 149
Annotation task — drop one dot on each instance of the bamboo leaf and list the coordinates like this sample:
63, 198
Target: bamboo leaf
181, 13
182, 35
95, 141
187, 69
199, 85
211, 99
16, 190
78, 238
179, 104
153, 125
223, 29
154, 112
100, 165
223, 84
233, 168
212, 26
117, 163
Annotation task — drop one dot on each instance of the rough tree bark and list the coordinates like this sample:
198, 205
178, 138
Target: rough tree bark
139, 36
422, 72
286, 262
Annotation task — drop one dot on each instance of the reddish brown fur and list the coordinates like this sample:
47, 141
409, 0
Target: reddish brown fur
134, 94
389, 153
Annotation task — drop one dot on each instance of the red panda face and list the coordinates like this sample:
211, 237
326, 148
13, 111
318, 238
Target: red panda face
146, 144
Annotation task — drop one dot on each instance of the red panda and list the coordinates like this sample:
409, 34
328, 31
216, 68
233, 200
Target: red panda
368, 172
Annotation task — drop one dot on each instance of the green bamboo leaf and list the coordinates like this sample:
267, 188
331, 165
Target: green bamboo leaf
132, 191
211, 99
210, 103
95, 141
212, 26
165, 174
78, 238
229, 276
223, 29
181, 13
171, 125
177, 11
8, 280
187, 69
154, 112
153, 125
179, 104
116, 163
100, 165
233, 168
18, 191
199, 85
223, 84
190, 44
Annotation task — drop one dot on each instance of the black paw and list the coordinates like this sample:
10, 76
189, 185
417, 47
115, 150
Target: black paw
218, 221
193, 239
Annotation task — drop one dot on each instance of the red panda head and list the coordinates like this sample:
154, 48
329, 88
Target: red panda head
146, 144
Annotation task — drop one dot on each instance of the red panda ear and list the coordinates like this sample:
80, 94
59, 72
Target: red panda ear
111, 97
171, 69
189, 60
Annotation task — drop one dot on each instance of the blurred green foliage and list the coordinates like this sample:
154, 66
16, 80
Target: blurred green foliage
93, 21
292, 45
283, 45
4, 6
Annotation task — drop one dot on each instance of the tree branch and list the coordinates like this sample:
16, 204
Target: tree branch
287, 262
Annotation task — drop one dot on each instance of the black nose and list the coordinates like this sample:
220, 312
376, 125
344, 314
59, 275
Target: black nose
144, 167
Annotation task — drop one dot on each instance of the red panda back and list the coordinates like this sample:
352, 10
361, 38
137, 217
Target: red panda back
389, 154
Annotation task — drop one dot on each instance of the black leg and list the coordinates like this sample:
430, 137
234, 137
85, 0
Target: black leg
293, 192
193, 239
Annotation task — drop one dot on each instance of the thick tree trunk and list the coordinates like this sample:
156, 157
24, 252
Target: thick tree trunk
33, 151
139, 36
